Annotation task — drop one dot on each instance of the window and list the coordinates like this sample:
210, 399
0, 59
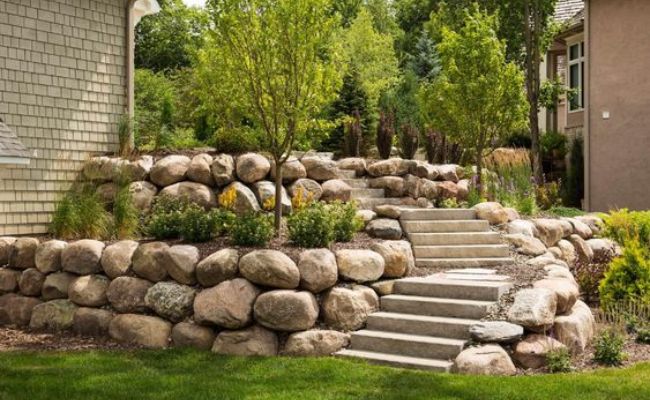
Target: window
576, 76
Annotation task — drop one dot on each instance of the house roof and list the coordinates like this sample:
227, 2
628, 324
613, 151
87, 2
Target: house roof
565, 10
11, 148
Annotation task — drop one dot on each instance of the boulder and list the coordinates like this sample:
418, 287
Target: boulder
308, 187
142, 195
523, 227
534, 309
531, 352
558, 271
199, 169
6, 248
496, 332
82, 257
196, 193
603, 249
53, 316
575, 329
99, 169
383, 288
555, 251
107, 192
218, 267
148, 261
550, 231
8, 280
448, 172
142, 330
348, 309
594, 222
292, 170
388, 211
566, 292
360, 265
397, 255
16, 310
252, 167
116, 259
318, 270
89, 290
169, 170
185, 334
489, 359
170, 300
447, 190
138, 170
48, 256
320, 169
384, 228
265, 193
92, 321
180, 262
393, 185
526, 245
253, 341
584, 252
223, 169
126, 294
463, 187
270, 268
318, 343
356, 164
392, 166
411, 186
31, 282
56, 285
429, 189
229, 304
567, 251
245, 200
426, 170
286, 310
513, 215
366, 216
336, 190
23, 253
492, 212
544, 260
580, 228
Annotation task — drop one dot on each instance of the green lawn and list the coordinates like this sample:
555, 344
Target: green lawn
186, 375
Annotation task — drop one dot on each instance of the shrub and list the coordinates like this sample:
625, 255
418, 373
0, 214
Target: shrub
559, 360
573, 192
628, 276
196, 225
448, 203
588, 276
235, 141
624, 225
609, 347
569, 212
409, 140
518, 140
81, 214
166, 217
385, 134
554, 144
547, 195
223, 220
312, 226
643, 335
346, 222
252, 229
126, 216
301, 199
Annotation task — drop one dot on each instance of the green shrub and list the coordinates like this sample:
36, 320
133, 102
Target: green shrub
346, 222
196, 225
569, 212
559, 360
518, 140
223, 220
235, 141
126, 217
624, 225
643, 335
164, 221
252, 229
554, 143
573, 189
609, 348
628, 277
311, 226
81, 214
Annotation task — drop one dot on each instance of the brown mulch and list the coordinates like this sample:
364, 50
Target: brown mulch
15, 339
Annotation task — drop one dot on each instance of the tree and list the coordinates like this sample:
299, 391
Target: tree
478, 97
279, 60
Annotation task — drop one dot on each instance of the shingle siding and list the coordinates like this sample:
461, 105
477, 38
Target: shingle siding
63, 92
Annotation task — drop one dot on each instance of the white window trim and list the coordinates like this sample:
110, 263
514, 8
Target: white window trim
578, 40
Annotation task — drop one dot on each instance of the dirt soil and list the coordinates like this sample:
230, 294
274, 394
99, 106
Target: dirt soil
14, 339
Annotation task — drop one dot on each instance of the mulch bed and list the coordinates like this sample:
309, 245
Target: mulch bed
19, 340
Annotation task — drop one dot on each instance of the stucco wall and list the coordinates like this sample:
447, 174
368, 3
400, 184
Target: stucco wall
62, 89
619, 64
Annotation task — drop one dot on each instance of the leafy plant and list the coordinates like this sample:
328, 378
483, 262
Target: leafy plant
165, 219
643, 335
312, 226
81, 214
561, 211
588, 276
628, 276
559, 360
547, 195
126, 217
385, 134
233, 140
609, 348
196, 225
301, 199
346, 222
624, 225
252, 229
409, 141
353, 135
228, 198
554, 144
223, 220
448, 203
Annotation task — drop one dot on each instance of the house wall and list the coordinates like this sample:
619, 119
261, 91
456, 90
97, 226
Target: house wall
63, 91
618, 148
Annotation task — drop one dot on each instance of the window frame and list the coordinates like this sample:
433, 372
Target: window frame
580, 63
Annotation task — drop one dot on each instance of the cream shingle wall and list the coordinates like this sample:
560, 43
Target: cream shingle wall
63, 91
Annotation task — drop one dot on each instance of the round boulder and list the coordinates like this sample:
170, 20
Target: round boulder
397, 255
384, 228
53, 316
348, 309
534, 309
194, 192
253, 341
549, 231
292, 170
143, 330
566, 292
169, 170
16, 310
31, 282
229, 304
117, 257
48, 256
320, 168
142, 195
270, 268
92, 321
532, 351
126, 294
356, 164
317, 343
9, 280
575, 329
218, 267
318, 270
336, 190
492, 212
6, 248
392, 166
245, 200
185, 334
180, 262
82, 257
526, 245
199, 169
286, 310
23, 253
149, 261
56, 285
484, 360
252, 167
393, 185
223, 169
360, 265
89, 290
170, 300
308, 187
265, 192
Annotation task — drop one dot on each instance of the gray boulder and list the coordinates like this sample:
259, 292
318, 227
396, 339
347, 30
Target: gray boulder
199, 169
48, 256
308, 187
56, 285
82, 257
531, 352
89, 290
185, 334
194, 192
170, 300
169, 170
23, 253
31, 282
16, 310
348, 309
245, 200
229, 304
117, 257
92, 321
9, 280
6, 248
53, 316
142, 195
534, 309
496, 332
148, 261
292, 170
223, 169
320, 169
180, 262
270, 268
252, 167
126, 294
484, 360
265, 191
218, 267
286, 310
384, 228
253, 341
142, 330
336, 190
318, 343
318, 270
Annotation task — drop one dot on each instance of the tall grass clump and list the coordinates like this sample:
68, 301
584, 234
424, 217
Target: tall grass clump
126, 217
512, 186
81, 214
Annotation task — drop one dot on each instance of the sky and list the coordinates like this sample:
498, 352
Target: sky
194, 2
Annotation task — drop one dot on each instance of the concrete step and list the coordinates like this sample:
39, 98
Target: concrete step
481, 262
451, 238
435, 306
369, 204
446, 226
462, 251
361, 193
453, 328
438, 214
357, 183
347, 174
398, 361
406, 345
452, 289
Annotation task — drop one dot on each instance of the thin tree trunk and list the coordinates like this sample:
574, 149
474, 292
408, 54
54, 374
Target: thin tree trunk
479, 171
533, 58
278, 198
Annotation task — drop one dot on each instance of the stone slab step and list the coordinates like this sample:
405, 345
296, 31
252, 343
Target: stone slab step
485, 278
406, 345
451, 238
357, 183
452, 289
361, 193
454, 328
398, 361
347, 174
462, 251
438, 214
480, 262
445, 226
435, 306
369, 204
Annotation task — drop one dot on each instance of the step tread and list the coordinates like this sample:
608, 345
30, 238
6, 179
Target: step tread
435, 214
437, 300
424, 318
446, 226
407, 337
435, 262
417, 362
434, 281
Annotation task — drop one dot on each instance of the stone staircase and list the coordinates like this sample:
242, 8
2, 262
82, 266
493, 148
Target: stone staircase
366, 197
425, 322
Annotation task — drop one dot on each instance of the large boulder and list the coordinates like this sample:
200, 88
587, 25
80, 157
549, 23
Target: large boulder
567, 251
223, 169
360, 265
142, 195
583, 250
426, 171
397, 255
149, 261
384, 228
534, 309
580, 228
531, 352
53, 316
320, 169
229, 304
169, 170
245, 200
286, 310
356, 164
318, 270
107, 192
412, 186
603, 249
526, 245
252, 167
496, 332
8, 280
218, 267
492, 212
265, 193
126, 294
308, 188
523, 227
6, 248
575, 329
366, 216
253, 341
489, 359
549, 231
56, 285
31, 282
137, 170
594, 222
317, 343
388, 211
185, 334
292, 170
48, 256
82, 257
392, 166
566, 292
116, 259
429, 189
142, 330
196, 193
92, 321
270, 268
23, 253
16, 310
348, 309
170, 300
448, 190
393, 185
448, 172
336, 190
89, 290
199, 169
180, 262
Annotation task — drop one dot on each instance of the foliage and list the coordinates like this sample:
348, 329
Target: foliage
588, 276
574, 182
625, 226
80, 214
124, 135
559, 360
385, 134
568, 212
155, 104
236, 140
609, 347
353, 135
409, 140
223, 221
554, 143
196, 225
126, 216
518, 140
425, 62
643, 335
345, 221
227, 198
511, 185
301, 199
311, 226
252, 229
449, 202
628, 276
166, 217
550, 92
547, 195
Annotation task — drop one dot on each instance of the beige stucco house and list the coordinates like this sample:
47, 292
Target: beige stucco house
66, 69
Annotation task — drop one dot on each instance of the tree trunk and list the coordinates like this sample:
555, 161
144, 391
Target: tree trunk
532, 33
479, 170
278, 198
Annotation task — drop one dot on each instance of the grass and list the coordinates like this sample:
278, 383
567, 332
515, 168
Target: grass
185, 374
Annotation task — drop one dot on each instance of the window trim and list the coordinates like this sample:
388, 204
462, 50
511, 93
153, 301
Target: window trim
580, 62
